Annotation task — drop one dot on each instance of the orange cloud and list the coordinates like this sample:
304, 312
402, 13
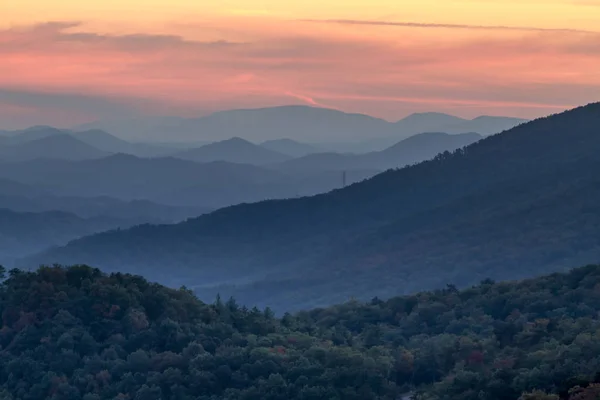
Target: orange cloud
361, 67
445, 26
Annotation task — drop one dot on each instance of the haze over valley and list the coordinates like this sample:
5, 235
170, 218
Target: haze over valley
83, 182
300, 200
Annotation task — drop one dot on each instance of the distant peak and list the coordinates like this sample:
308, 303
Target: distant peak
430, 114
42, 128
235, 139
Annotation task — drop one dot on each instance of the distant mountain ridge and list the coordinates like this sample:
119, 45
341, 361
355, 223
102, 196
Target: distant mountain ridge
290, 147
234, 150
139, 210
24, 232
60, 146
303, 124
169, 180
199, 177
163, 180
509, 206
53, 143
414, 149
109, 143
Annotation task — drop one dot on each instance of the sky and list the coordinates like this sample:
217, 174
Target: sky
65, 62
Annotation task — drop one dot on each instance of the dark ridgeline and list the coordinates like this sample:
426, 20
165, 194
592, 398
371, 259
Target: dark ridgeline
512, 205
75, 333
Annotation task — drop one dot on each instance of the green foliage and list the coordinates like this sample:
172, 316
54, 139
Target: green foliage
76, 333
494, 341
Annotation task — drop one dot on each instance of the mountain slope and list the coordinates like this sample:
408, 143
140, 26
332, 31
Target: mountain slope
30, 134
414, 149
427, 122
112, 144
89, 207
234, 150
163, 180
24, 232
290, 147
320, 249
486, 125
13, 188
169, 181
98, 139
58, 146
427, 145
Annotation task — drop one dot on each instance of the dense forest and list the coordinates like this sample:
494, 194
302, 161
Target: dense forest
76, 333
514, 205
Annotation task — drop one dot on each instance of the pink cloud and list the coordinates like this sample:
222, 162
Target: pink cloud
528, 72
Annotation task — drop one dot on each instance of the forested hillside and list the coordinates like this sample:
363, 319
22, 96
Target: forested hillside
417, 148
513, 205
76, 333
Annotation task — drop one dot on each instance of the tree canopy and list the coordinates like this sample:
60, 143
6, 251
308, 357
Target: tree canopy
77, 333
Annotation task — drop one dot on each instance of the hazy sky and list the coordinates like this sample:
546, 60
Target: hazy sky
64, 61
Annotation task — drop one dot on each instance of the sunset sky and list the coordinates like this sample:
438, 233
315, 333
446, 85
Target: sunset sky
69, 61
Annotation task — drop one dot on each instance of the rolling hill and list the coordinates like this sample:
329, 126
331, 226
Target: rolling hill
109, 143
90, 207
102, 143
55, 146
38, 198
169, 181
511, 205
126, 177
414, 149
234, 150
29, 134
24, 232
12, 188
290, 147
